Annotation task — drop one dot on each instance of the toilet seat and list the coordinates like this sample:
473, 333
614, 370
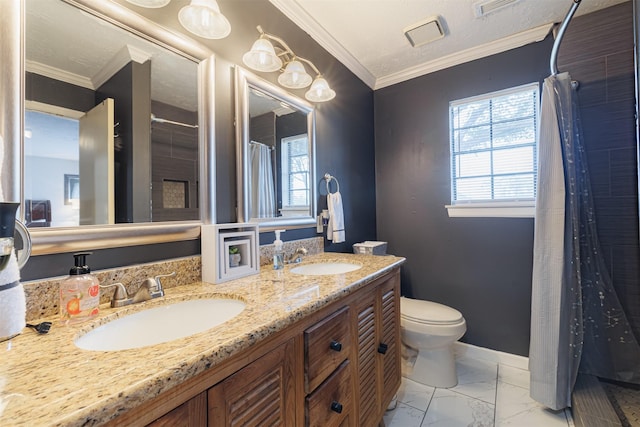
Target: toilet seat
428, 312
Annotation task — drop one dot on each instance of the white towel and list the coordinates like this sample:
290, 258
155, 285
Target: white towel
335, 230
13, 308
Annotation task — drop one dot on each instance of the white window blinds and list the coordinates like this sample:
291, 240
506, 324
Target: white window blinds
295, 171
494, 146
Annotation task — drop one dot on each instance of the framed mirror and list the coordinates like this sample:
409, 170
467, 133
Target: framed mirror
275, 142
117, 145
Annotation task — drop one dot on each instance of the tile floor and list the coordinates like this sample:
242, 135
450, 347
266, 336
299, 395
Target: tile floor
488, 394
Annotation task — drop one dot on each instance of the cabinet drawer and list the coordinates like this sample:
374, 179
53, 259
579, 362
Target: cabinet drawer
326, 345
330, 405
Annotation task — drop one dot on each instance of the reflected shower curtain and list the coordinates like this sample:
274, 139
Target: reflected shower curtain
263, 200
577, 323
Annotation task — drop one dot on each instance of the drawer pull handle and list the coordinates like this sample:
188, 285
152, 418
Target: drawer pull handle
336, 407
336, 345
382, 348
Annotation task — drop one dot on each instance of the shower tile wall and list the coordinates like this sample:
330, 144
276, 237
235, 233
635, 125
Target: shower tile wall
598, 52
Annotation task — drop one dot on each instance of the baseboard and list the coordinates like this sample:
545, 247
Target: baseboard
468, 350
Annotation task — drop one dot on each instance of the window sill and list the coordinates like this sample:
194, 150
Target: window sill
495, 210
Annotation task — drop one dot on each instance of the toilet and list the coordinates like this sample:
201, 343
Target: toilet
431, 329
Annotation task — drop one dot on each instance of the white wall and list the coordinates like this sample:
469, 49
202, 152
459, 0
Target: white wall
45, 181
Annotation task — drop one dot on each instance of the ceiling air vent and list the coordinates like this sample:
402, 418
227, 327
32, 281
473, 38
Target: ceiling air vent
424, 31
483, 8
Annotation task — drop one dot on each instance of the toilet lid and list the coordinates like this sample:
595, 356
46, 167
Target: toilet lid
421, 311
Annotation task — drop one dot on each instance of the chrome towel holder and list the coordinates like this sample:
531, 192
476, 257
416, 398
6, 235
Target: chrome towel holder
328, 178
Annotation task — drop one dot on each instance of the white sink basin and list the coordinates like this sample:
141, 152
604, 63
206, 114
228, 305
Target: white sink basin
160, 324
325, 268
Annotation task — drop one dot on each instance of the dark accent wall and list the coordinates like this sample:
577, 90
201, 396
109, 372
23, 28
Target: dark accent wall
262, 129
480, 266
54, 92
597, 51
130, 88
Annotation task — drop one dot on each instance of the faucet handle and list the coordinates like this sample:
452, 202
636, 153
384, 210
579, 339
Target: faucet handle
156, 281
120, 296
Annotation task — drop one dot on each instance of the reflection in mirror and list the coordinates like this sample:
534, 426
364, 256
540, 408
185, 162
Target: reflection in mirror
276, 147
114, 111
42, 89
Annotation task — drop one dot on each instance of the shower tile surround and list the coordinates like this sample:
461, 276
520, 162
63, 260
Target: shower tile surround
42, 295
598, 52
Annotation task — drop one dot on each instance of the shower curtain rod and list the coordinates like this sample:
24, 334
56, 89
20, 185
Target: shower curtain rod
171, 122
556, 45
270, 147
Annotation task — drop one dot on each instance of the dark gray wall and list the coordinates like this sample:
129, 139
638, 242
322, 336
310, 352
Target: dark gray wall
344, 130
480, 266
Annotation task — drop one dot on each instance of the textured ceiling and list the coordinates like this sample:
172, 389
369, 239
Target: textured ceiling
367, 35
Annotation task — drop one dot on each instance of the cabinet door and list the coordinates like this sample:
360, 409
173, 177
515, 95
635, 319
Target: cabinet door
192, 413
378, 357
261, 393
389, 346
367, 380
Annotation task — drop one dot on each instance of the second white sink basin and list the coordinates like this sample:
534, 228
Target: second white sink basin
160, 324
325, 268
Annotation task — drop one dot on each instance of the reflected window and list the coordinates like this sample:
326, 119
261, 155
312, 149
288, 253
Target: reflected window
295, 172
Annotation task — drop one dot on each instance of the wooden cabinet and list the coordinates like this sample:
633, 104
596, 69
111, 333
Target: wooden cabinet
190, 414
339, 366
378, 350
261, 393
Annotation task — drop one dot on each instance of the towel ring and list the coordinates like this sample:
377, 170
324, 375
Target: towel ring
328, 179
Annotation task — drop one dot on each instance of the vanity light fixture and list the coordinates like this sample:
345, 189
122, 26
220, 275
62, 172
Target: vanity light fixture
262, 56
266, 57
200, 17
203, 18
152, 4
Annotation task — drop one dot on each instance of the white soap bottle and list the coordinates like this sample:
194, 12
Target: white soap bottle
278, 252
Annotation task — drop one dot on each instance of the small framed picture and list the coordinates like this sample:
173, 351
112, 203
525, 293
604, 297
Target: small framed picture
71, 189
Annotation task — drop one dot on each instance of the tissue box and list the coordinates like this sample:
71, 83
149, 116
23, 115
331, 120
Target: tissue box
370, 248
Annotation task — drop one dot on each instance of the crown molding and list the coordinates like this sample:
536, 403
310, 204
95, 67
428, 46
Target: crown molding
123, 57
302, 19
296, 13
502, 45
58, 74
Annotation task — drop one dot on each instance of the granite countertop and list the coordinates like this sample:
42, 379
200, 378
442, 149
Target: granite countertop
47, 380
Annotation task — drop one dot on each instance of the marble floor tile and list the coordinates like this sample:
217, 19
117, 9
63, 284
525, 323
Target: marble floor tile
450, 409
477, 379
515, 408
403, 416
415, 394
513, 376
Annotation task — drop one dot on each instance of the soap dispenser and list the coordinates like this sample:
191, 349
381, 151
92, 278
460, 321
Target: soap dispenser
79, 292
278, 252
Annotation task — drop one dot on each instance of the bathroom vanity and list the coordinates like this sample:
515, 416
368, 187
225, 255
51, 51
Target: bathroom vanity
307, 350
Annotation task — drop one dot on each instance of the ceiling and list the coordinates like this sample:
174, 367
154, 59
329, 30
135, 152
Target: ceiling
367, 35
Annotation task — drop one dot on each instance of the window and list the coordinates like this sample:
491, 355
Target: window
493, 141
295, 172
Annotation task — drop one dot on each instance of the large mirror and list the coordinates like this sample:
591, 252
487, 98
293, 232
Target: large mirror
118, 128
276, 154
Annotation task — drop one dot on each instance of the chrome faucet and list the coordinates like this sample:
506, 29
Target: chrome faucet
296, 257
149, 289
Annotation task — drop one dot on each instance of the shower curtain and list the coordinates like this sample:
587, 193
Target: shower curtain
577, 322
263, 200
